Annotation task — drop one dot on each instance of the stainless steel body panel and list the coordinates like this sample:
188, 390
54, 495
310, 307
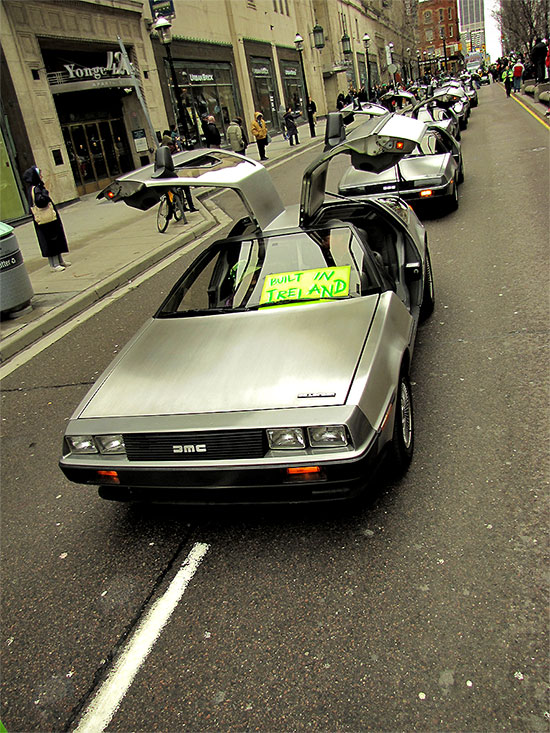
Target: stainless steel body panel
234, 362
391, 335
408, 182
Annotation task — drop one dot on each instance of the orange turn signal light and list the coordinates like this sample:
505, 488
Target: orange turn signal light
110, 194
304, 469
109, 476
426, 192
399, 145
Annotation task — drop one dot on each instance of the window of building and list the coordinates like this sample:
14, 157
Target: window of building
429, 34
451, 30
450, 13
427, 17
441, 15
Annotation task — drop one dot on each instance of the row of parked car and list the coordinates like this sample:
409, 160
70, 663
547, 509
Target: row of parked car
431, 174
277, 368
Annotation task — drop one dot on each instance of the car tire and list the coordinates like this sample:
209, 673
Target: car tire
402, 443
163, 214
452, 199
428, 297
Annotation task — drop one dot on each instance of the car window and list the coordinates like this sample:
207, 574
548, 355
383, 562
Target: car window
326, 264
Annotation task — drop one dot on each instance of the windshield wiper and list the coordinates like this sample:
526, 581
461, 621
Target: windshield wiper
203, 312
302, 300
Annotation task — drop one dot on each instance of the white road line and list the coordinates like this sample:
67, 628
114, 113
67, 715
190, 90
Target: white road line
107, 700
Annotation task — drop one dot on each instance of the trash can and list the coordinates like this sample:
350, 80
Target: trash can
15, 286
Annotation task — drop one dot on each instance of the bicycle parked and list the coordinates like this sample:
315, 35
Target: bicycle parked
171, 206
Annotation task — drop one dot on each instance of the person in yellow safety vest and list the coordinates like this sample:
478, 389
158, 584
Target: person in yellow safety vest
508, 79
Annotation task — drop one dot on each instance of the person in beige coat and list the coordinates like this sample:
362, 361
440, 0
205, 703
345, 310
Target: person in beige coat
259, 130
235, 137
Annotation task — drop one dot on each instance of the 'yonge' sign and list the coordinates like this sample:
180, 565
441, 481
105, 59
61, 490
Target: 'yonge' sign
114, 67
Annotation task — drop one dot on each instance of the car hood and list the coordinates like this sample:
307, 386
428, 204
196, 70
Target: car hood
411, 169
289, 356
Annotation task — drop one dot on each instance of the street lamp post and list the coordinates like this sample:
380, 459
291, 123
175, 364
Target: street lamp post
299, 43
163, 28
366, 42
390, 46
418, 62
442, 36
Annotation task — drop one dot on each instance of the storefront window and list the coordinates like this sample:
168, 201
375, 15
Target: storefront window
264, 92
207, 89
293, 86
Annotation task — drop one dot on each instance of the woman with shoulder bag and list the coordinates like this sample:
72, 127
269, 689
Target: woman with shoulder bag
47, 223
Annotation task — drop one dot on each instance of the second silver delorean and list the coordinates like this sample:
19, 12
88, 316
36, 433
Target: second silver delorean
277, 368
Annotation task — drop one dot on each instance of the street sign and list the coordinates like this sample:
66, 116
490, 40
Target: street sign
162, 8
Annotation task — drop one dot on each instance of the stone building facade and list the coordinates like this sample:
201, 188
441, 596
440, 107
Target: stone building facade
74, 107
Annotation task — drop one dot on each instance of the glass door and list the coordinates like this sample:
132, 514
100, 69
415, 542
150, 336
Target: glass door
98, 152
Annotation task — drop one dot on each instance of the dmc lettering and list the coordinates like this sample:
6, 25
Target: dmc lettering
199, 448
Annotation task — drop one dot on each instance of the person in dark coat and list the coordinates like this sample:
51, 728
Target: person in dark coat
51, 236
212, 134
291, 128
538, 58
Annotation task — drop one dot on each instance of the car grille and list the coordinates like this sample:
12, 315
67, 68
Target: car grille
207, 446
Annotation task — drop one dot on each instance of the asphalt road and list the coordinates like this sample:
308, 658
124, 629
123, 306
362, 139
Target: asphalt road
425, 608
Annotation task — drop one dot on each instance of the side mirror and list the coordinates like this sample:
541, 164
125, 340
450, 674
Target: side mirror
164, 165
335, 132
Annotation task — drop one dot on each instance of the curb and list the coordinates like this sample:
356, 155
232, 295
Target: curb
31, 332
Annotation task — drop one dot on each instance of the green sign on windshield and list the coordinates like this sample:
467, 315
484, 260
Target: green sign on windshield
321, 283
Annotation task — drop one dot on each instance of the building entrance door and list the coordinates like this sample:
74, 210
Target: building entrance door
98, 151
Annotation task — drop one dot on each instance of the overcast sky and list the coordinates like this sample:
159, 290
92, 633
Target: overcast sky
492, 34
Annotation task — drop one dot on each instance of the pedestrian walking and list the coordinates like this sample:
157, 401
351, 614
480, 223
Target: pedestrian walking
517, 70
282, 113
243, 130
259, 130
340, 101
507, 78
168, 141
311, 110
47, 222
291, 127
235, 137
211, 133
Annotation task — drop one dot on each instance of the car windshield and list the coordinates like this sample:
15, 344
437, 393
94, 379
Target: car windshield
271, 271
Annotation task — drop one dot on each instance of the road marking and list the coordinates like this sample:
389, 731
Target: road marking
542, 122
107, 700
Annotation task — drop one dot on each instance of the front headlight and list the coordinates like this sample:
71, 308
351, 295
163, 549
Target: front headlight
110, 443
81, 444
328, 436
286, 438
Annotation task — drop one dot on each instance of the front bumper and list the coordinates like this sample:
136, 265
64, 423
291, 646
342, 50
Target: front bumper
338, 479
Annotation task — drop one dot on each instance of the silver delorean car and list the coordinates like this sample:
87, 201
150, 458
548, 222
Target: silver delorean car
277, 368
428, 176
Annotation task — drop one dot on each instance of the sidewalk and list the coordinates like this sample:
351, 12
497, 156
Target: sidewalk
109, 244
